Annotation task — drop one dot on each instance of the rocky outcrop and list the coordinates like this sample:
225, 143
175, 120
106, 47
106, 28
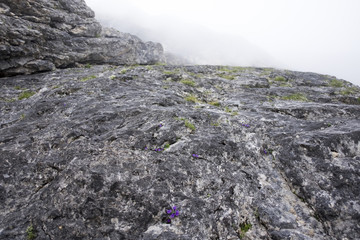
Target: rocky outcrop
47, 34
243, 153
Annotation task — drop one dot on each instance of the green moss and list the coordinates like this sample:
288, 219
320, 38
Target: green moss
22, 116
192, 98
87, 78
188, 82
166, 146
336, 83
30, 233
112, 77
234, 113
25, 95
296, 97
88, 65
215, 103
279, 79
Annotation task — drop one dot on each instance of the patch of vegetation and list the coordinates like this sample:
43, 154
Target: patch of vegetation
358, 100
285, 85
166, 146
25, 95
244, 228
192, 98
177, 71
87, 78
19, 88
160, 64
30, 233
296, 97
123, 71
215, 124
197, 75
190, 125
22, 116
280, 79
88, 65
188, 82
215, 103
232, 69
228, 77
348, 91
112, 77
56, 86
227, 109
336, 83
234, 113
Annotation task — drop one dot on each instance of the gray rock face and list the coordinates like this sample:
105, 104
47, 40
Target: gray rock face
243, 153
47, 34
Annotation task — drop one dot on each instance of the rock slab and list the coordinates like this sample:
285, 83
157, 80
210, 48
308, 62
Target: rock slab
42, 35
243, 153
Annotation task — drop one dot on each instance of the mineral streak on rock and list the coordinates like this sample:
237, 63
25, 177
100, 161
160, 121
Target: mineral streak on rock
76, 159
42, 35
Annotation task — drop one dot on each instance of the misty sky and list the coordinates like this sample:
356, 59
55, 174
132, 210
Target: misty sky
321, 36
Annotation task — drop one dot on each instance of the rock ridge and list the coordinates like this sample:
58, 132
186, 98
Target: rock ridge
43, 35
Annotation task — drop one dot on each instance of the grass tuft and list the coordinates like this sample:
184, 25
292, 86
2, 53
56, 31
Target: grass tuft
25, 95
296, 97
188, 82
336, 83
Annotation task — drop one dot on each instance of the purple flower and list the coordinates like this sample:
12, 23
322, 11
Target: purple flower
177, 213
169, 220
172, 215
195, 155
265, 151
168, 211
174, 207
146, 148
160, 125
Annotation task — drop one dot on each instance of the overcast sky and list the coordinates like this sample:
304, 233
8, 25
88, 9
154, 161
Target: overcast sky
321, 36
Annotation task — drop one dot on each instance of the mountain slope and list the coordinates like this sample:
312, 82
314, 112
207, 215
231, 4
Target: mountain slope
243, 153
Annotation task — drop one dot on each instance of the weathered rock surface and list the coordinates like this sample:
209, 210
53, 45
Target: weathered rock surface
277, 154
43, 35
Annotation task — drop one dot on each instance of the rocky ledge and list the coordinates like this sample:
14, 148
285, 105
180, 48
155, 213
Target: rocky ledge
107, 152
43, 35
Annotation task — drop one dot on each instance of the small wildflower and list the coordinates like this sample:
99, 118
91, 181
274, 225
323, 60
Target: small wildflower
195, 155
160, 125
265, 152
173, 213
146, 148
